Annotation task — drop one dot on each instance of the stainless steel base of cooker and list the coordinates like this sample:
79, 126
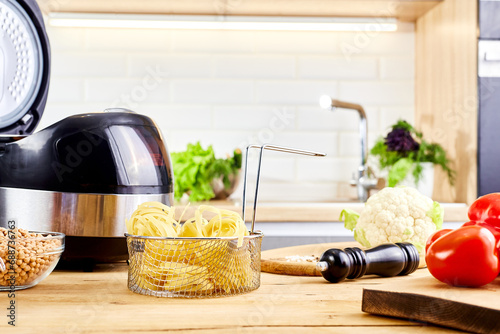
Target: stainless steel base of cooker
74, 214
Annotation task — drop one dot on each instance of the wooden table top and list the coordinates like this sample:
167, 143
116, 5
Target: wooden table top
99, 302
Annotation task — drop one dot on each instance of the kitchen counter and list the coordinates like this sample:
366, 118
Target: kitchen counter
99, 302
310, 211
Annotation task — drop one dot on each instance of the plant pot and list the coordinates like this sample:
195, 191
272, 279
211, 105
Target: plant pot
426, 182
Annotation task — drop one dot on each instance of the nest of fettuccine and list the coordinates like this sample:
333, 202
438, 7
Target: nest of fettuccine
200, 258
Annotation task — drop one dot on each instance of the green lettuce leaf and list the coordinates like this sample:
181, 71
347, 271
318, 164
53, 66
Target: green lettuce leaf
350, 218
192, 172
436, 213
195, 168
359, 235
420, 247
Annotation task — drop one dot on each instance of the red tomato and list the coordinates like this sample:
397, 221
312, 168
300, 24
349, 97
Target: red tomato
486, 209
494, 230
435, 236
466, 256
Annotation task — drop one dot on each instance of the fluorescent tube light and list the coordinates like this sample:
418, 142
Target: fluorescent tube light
218, 22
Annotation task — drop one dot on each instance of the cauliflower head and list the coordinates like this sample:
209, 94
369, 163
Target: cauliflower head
400, 214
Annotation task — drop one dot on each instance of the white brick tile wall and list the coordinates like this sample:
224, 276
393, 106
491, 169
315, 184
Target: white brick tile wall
127, 40
268, 67
326, 142
326, 169
129, 93
66, 90
178, 117
295, 192
212, 91
317, 118
212, 41
287, 42
349, 144
174, 66
69, 39
254, 118
390, 115
354, 44
78, 64
55, 111
274, 169
377, 92
397, 68
293, 92
222, 142
337, 67
233, 88
373, 119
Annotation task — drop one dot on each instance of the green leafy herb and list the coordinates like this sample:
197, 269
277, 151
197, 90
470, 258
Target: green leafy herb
404, 150
195, 168
399, 171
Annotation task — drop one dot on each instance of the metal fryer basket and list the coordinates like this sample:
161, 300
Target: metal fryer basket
193, 267
200, 267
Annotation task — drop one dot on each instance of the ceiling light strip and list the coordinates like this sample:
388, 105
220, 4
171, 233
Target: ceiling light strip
221, 22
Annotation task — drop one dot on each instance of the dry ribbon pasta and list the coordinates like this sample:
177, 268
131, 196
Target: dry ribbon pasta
225, 223
187, 265
154, 219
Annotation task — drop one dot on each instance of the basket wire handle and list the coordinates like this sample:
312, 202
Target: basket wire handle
262, 148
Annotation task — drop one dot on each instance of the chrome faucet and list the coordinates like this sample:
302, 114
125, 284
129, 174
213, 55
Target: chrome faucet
361, 178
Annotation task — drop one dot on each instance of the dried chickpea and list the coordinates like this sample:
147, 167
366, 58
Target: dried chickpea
28, 263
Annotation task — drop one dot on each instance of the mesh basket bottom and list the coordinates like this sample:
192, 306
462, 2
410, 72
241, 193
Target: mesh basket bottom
186, 294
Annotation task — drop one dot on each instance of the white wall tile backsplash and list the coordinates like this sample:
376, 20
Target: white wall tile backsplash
212, 41
383, 93
104, 64
336, 68
249, 66
396, 68
233, 88
64, 89
282, 42
179, 66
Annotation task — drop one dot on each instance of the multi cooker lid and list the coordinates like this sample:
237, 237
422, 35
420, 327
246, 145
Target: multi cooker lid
24, 66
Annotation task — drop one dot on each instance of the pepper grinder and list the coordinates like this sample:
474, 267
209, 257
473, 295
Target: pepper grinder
384, 260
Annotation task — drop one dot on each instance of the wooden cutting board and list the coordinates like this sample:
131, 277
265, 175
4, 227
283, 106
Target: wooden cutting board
426, 299
274, 261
